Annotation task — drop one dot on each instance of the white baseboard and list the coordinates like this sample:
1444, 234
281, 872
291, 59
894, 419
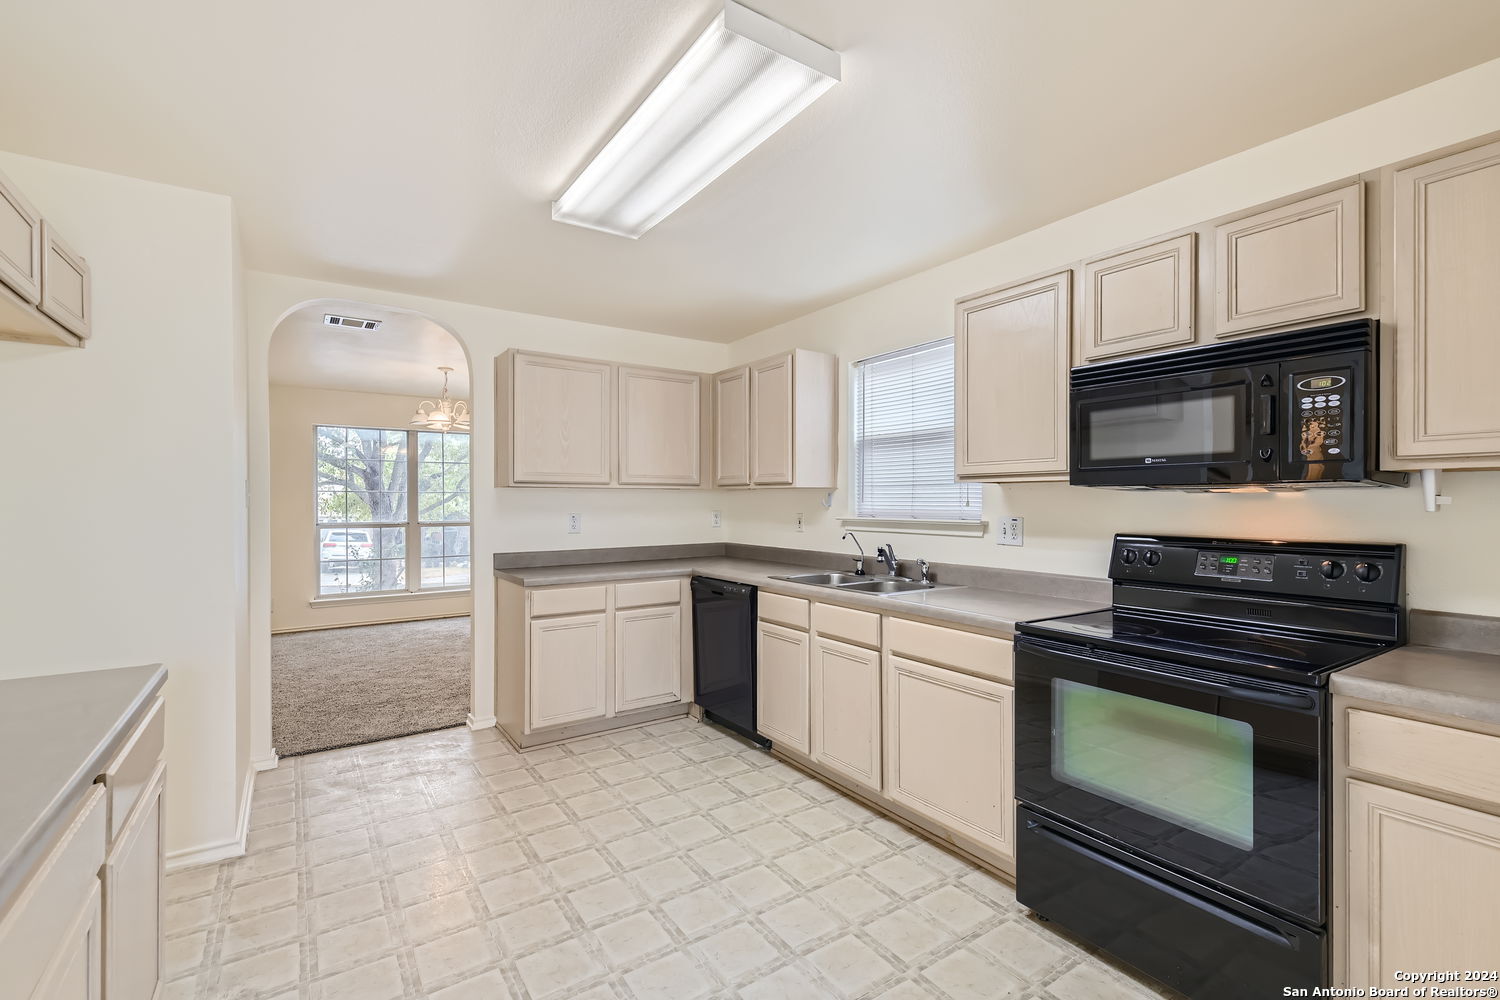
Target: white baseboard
266, 763
488, 722
223, 850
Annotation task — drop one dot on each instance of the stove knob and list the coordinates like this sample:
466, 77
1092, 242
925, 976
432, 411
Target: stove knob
1152, 557
1331, 570
1128, 556
1367, 572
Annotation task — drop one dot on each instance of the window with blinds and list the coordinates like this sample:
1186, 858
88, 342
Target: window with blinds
903, 438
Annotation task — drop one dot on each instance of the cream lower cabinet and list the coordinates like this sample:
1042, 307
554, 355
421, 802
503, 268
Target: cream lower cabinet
783, 685
1424, 878
846, 710
76, 969
132, 878
648, 657
569, 670
949, 750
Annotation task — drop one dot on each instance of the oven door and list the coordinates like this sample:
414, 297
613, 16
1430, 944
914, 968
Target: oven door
1195, 429
1217, 777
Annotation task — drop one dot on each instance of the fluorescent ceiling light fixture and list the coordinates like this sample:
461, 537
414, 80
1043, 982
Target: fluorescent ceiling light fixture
744, 78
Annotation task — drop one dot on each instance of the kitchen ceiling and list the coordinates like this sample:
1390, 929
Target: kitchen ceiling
401, 357
416, 147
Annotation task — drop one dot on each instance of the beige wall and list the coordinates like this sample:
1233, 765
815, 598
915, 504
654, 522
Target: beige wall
124, 515
1067, 528
295, 411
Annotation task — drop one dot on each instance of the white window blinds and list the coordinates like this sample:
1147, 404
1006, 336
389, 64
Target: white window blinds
903, 438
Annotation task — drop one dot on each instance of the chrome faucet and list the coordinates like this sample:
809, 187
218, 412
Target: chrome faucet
859, 560
887, 554
926, 575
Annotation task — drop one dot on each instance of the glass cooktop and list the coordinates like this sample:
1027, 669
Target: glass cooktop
1300, 658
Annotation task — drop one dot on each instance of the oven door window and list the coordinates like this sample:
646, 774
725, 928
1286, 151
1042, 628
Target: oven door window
1187, 767
1168, 428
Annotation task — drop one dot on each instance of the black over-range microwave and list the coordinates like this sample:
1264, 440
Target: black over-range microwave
1290, 410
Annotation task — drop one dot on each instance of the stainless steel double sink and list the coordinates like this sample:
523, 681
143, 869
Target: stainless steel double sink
855, 584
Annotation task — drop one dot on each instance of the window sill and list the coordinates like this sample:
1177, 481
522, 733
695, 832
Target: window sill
903, 526
349, 599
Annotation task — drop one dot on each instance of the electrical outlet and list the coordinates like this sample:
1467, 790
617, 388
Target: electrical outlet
575, 524
716, 518
1010, 531
799, 523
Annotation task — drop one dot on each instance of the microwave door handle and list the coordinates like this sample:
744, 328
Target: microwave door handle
1267, 403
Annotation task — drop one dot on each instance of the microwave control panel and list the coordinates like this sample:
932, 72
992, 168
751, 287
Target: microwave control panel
1319, 403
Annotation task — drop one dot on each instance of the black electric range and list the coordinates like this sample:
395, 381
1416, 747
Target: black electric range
1172, 754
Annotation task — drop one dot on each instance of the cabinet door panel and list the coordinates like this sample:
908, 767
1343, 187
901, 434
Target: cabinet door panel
732, 428
648, 657
1423, 879
66, 284
1447, 253
20, 243
783, 686
1299, 262
76, 968
846, 710
1011, 372
949, 751
1139, 300
771, 421
562, 420
659, 421
133, 903
568, 675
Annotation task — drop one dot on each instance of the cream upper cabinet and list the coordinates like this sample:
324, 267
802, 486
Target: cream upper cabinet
66, 284
569, 670
948, 748
648, 657
732, 427
20, 243
554, 419
771, 421
846, 710
1424, 877
1011, 381
783, 686
776, 422
659, 423
1298, 262
1140, 299
1446, 224
132, 877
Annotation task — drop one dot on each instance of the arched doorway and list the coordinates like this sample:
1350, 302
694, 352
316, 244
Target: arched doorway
370, 527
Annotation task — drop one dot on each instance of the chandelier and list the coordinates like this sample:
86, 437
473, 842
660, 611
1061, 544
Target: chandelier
444, 415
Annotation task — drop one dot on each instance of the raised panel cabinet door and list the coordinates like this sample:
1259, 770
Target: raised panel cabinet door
67, 293
75, 970
659, 424
1298, 262
1447, 349
783, 686
846, 710
562, 420
569, 670
20, 243
732, 428
1139, 299
1011, 380
949, 750
648, 657
771, 421
132, 879
1423, 879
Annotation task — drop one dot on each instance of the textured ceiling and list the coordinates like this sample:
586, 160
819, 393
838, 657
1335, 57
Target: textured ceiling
416, 146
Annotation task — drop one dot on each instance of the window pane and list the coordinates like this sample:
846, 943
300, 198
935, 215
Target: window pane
432, 543
456, 571
432, 572
392, 543
456, 540
903, 438
456, 449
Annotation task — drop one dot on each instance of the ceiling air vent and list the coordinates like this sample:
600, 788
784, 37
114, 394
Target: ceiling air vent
350, 322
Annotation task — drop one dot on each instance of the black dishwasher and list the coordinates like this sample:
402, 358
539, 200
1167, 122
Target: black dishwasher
724, 654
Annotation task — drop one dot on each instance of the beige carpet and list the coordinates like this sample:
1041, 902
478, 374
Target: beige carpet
341, 686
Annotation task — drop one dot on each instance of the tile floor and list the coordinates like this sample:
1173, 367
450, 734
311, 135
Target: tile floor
664, 863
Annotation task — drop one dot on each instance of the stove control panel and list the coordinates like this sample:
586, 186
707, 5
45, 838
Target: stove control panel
1243, 565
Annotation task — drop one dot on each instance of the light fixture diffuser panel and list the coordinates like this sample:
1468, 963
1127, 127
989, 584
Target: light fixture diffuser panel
742, 79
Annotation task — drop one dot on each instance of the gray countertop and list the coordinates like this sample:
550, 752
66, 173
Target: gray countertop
1453, 682
975, 607
57, 734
